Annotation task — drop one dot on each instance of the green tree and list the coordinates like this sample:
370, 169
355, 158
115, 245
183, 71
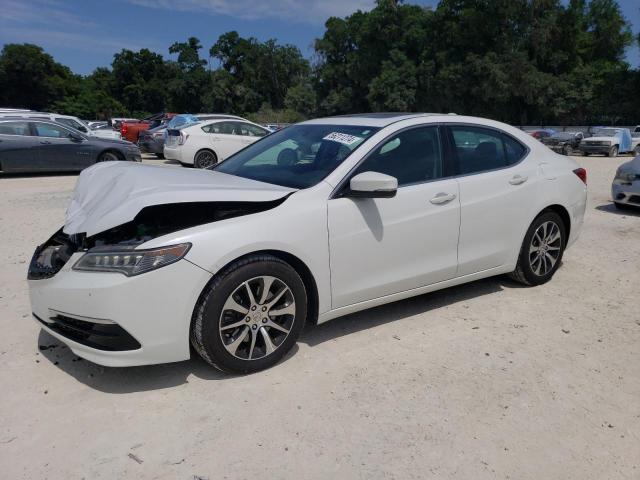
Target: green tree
31, 78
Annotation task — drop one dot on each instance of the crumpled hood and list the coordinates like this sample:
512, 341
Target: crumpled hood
109, 194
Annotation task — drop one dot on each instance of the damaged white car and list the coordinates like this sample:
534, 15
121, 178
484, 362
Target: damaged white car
315, 221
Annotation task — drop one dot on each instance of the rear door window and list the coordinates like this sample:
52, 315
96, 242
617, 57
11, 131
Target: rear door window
15, 128
480, 149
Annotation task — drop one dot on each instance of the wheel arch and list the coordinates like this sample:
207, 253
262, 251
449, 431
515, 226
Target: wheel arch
204, 149
562, 212
117, 153
301, 268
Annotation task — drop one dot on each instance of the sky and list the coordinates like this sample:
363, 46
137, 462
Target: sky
85, 34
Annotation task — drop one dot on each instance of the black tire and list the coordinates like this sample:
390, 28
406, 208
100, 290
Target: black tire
205, 159
524, 272
160, 155
613, 151
636, 151
206, 325
568, 151
585, 154
109, 156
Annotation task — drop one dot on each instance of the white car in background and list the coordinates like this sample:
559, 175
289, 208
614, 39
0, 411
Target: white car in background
206, 143
318, 220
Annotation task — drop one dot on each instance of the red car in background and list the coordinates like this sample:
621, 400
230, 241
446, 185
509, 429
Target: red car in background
537, 134
131, 130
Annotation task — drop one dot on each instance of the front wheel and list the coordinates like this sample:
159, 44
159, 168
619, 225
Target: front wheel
568, 151
108, 157
160, 156
205, 159
541, 251
250, 315
613, 151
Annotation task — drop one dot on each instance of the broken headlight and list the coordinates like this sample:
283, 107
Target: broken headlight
129, 261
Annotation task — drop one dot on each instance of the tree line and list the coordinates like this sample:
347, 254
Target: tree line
519, 61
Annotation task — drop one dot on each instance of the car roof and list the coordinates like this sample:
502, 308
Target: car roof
381, 119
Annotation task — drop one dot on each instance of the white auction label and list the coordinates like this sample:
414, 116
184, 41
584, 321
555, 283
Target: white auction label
342, 138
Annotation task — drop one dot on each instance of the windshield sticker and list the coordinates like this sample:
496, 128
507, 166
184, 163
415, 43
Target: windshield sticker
344, 138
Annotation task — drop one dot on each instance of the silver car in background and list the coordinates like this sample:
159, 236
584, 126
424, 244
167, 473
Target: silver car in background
625, 189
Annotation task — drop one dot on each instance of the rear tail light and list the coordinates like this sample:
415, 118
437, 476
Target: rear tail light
123, 129
183, 138
582, 174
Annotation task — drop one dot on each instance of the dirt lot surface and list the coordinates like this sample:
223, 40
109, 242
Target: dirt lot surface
482, 381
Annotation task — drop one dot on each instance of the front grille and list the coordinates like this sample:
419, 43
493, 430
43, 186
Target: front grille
51, 256
634, 199
101, 336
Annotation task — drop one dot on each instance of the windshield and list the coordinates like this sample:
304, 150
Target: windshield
605, 132
298, 156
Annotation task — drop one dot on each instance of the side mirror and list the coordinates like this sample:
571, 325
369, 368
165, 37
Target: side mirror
372, 185
75, 137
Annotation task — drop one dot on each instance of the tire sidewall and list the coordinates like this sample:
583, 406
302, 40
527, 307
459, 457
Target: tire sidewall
210, 334
196, 161
528, 272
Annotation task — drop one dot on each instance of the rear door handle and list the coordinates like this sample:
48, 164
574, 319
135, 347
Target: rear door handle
45, 142
442, 197
518, 180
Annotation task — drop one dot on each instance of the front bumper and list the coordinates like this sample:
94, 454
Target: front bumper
627, 193
602, 149
154, 309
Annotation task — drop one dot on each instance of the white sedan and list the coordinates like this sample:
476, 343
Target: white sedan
206, 143
318, 220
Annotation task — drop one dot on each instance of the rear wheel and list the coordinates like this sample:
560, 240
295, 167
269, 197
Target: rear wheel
250, 315
568, 151
541, 251
205, 159
636, 151
160, 155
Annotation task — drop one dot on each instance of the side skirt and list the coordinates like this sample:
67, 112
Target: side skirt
394, 297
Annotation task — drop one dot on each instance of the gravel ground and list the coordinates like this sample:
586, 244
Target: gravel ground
481, 381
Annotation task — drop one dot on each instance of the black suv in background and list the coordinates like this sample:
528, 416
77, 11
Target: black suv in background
566, 143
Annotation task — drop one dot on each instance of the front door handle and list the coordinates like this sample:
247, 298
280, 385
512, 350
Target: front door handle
442, 197
45, 142
518, 180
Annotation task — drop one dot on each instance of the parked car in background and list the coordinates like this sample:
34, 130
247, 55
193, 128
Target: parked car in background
131, 130
206, 143
565, 143
152, 141
68, 120
609, 141
625, 189
541, 133
95, 124
117, 121
315, 221
188, 118
34, 145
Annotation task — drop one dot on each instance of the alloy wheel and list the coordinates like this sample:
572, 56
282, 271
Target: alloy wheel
545, 248
205, 160
257, 318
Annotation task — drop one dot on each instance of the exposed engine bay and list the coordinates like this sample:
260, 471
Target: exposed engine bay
151, 222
